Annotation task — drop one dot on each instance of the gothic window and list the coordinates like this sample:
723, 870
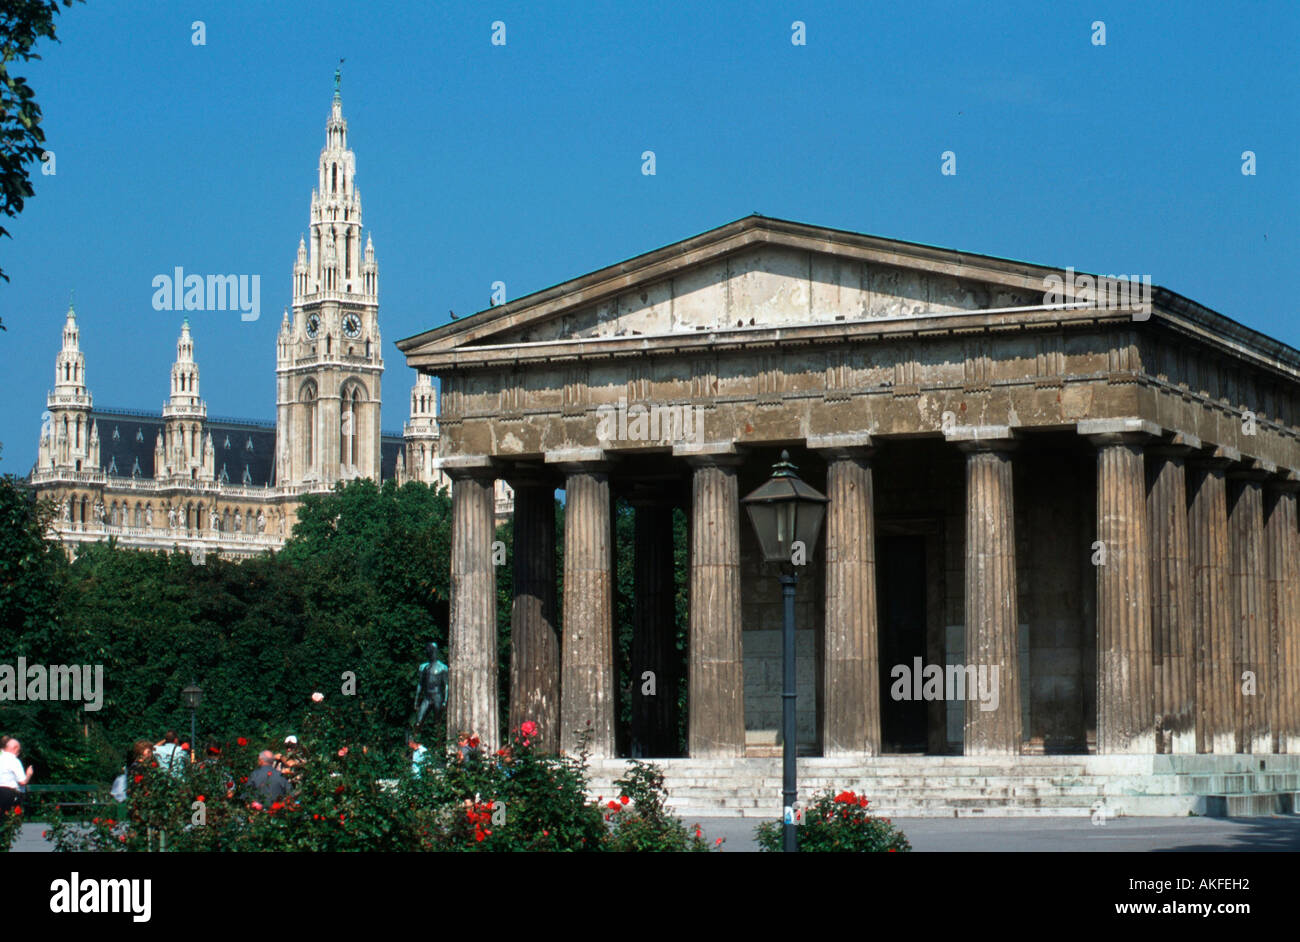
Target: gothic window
135, 468
112, 465
139, 434
116, 437
248, 478
308, 396
78, 431
138, 520
85, 509
227, 444
224, 477
225, 520
249, 445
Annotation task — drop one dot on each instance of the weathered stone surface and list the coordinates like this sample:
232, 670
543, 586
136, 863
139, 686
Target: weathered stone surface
1172, 617
851, 676
1250, 631
1282, 544
716, 679
1212, 603
472, 664
587, 650
1125, 688
992, 623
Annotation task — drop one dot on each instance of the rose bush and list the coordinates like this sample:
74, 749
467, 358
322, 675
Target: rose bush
838, 823
349, 797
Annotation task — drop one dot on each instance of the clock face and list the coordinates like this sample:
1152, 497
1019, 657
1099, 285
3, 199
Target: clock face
313, 325
352, 326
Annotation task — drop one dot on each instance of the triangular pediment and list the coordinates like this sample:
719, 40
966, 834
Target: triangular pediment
754, 273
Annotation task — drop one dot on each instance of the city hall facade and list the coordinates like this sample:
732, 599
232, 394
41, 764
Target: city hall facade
1090, 495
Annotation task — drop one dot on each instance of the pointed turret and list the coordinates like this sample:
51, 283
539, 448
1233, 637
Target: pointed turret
184, 412
69, 403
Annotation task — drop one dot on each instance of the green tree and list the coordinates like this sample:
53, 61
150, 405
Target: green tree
22, 140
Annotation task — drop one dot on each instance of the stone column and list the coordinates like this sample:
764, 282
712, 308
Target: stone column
534, 640
1172, 619
587, 649
654, 632
992, 613
716, 719
1125, 669
472, 663
1207, 527
850, 677
1249, 582
1282, 542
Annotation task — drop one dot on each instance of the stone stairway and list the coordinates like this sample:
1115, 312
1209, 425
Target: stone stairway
983, 786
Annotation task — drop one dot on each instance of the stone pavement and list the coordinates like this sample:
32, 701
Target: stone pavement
1014, 834
1063, 834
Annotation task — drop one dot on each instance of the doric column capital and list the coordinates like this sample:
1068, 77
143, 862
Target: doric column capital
460, 467
709, 454
1215, 458
1119, 431
845, 445
580, 460
1284, 480
982, 438
1252, 469
1176, 445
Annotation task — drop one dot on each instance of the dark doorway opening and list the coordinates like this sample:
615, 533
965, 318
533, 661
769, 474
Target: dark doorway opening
901, 589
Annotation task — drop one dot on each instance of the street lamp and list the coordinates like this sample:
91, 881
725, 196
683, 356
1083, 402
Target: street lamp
193, 696
787, 516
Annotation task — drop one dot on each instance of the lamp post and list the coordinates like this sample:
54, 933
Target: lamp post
193, 696
787, 516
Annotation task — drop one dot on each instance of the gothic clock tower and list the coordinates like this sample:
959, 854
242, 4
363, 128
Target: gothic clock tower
328, 363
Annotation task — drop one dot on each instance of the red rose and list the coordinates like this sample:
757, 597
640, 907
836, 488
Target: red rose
528, 728
198, 797
185, 746
698, 832
340, 790
546, 834
277, 805
341, 817
478, 835
717, 842
242, 741
473, 742
624, 799
110, 822
139, 778
257, 806
614, 806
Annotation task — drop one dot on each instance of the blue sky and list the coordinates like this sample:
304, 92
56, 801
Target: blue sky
522, 163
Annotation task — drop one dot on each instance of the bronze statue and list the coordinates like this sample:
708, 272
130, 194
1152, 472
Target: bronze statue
431, 690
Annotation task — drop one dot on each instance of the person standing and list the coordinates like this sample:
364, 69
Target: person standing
13, 777
170, 756
266, 780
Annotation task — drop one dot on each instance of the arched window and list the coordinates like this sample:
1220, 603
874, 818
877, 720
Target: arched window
225, 520
308, 397
334, 183
85, 510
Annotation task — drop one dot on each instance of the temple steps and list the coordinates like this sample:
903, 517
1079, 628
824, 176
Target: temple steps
983, 786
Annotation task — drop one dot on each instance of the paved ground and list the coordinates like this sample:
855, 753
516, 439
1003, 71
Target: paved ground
1016, 834
1065, 834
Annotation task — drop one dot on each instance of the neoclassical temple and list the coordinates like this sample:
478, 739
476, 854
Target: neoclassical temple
1087, 490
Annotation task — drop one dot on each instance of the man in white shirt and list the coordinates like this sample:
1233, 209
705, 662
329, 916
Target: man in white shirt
12, 775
